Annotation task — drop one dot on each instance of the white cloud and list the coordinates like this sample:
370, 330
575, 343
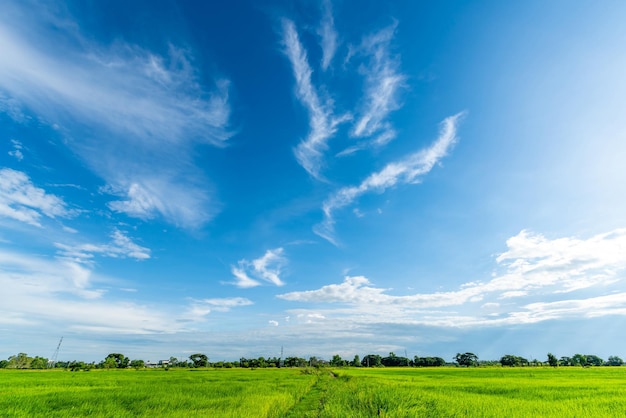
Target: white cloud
328, 35
614, 304
120, 247
60, 292
382, 84
24, 202
202, 307
409, 170
140, 110
535, 268
41, 276
273, 323
266, 268
322, 123
17, 150
242, 279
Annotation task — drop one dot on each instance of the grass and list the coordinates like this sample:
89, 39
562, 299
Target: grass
350, 392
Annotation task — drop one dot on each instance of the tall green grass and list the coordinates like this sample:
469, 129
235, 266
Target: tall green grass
130, 393
497, 392
350, 392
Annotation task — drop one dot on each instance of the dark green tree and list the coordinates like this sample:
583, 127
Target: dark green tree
466, 359
593, 360
121, 361
372, 360
513, 361
295, 362
76, 366
199, 360
356, 362
39, 363
137, 364
579, 360
428, 362
337, 361
552, 360
395, 361
4, 364
614, 361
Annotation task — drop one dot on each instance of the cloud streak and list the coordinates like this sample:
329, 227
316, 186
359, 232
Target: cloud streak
534, 268
328, 35
121, 246
322, 123
201, 308
22, 201
406, 171
123, 109
383, 81
266, 268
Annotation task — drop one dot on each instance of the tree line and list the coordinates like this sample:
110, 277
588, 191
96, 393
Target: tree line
200, 360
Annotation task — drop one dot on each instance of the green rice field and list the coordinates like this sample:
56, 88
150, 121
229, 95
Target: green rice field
349, 392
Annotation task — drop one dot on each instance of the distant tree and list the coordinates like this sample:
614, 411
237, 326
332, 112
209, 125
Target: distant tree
565, 361
273, 362
579, 360
593, 360
258, 362
108, 363
513, 361
76, 365
121, 361
466, 359
317, 362
356, 362
428, 361
173, 362
295, 362
4, 364
20, 361
372, 360
138, 364
199, 360
39, 363
552, 360
395, 361
614, 361
337, 361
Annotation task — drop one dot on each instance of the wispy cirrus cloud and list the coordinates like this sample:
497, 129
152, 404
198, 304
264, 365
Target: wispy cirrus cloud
322, 122
535, 269
372, 59
266, 268
16, 152
124, 109
39, 291
121, 246
21, 200
383, 81
328, 34
201, 307
406, 171
66, 293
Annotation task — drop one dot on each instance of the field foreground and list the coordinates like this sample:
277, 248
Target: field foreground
351, 392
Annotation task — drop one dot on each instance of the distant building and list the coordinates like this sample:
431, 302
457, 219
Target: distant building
160, 363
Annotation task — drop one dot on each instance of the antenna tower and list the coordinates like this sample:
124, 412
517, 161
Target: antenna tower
281, 362
53, 359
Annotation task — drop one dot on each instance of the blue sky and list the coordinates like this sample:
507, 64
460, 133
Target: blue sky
330, 177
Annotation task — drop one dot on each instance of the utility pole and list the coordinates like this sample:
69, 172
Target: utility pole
53, 360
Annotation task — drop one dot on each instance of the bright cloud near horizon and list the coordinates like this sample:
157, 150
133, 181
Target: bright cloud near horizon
326, 177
